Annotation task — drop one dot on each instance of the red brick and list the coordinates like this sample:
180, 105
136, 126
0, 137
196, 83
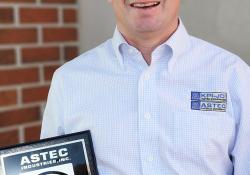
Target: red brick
40, 54
49, 71
9, 138
6, 15
20, 1
59, 1
7, 56
32, 133
19, 116
17, 76
35, 94
8, 98
8, 36
38, 15
70, 15
59, 34
70, 52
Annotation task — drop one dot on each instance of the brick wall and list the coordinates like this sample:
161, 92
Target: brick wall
36, 36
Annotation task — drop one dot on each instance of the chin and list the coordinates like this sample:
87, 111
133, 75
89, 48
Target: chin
146, 24
147, 27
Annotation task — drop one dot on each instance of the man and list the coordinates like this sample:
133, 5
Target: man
157, 101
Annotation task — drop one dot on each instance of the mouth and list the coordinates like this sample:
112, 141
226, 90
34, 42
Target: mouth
144, 5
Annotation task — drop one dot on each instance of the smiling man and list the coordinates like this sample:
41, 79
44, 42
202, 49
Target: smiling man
156, 100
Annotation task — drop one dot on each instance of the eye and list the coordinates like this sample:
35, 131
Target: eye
53, 173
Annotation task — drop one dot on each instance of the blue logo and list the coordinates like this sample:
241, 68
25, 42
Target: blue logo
209, 101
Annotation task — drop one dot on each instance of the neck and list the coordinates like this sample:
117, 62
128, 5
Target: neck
146, 42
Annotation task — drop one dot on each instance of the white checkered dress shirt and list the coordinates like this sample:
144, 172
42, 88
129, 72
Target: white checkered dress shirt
148, 120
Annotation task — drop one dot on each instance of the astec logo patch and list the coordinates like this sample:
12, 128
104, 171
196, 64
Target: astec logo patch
209, 101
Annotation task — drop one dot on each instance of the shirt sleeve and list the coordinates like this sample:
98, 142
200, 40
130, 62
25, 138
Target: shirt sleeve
52, 124
240, 96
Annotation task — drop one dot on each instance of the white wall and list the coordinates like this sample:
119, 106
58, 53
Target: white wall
97, 23
222, 22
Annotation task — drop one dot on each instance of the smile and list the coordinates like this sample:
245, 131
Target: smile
144, 5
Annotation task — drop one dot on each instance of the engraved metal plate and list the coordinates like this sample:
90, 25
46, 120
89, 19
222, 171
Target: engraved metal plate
71, 154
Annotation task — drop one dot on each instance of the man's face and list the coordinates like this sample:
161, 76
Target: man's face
135, 16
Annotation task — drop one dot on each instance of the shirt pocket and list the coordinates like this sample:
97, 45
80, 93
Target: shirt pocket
196, 135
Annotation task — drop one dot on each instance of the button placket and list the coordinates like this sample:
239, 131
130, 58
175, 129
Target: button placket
150, 158
147, 76
148, 130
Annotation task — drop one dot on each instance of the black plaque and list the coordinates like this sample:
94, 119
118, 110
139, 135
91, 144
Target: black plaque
71, 154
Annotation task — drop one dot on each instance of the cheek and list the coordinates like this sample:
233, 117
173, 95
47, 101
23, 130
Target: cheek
121, 11
173, 7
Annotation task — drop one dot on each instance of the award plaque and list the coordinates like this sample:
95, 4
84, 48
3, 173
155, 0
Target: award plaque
71, 154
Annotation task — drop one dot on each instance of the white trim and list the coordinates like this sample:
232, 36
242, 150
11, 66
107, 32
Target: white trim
22, 86
29, 65
62, 53
34, 25
37, 5
26, 105
33, 45
19, 96
41, 73
60, 16
39, 35
16, 16
16, 127
21, 134
18, 57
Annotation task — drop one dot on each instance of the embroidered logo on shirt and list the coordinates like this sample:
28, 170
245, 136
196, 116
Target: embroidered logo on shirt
209, 101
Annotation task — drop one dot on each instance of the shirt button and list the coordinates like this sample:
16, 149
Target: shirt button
147, 76
150, 158
147, 115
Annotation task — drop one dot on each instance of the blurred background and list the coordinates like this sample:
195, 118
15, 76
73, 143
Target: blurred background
223, 22
37, 36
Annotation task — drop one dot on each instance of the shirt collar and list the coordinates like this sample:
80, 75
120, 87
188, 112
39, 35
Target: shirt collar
178, 42
117, 41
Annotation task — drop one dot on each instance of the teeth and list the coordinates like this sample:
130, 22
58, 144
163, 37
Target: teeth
143, 5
